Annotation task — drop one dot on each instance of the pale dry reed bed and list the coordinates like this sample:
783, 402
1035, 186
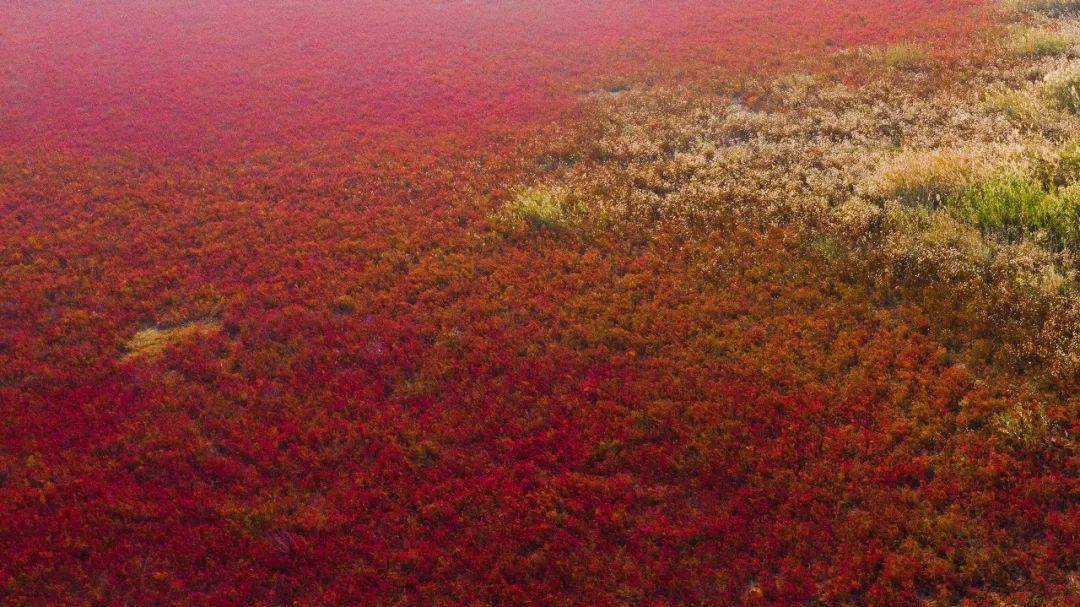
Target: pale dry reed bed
964, 195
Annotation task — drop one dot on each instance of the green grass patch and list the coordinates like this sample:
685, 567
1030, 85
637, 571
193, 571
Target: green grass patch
1017, 207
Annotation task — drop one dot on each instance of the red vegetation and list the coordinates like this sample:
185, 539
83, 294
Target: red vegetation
397, 410
184, 76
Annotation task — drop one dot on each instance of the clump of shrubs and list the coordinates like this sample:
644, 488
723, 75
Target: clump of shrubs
1001, 193
1029, 429
1006, 198
1048, 7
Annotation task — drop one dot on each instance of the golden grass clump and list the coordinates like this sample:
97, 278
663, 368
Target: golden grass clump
931, 177
906, 56
153, 340
1020, 106
1038, 42
535, 208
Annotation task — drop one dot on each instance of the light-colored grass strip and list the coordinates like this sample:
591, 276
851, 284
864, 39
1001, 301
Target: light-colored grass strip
931, 177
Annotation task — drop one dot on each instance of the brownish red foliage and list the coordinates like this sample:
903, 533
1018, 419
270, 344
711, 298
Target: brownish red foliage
386, 404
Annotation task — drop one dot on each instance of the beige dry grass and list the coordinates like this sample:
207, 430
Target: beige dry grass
536, 208
152, 341
1049, 7
1038, 42
906, 56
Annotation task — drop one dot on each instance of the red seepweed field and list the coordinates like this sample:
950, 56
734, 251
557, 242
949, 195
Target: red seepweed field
259, 344
214, 77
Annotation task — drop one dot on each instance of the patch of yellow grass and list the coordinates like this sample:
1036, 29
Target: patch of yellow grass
906, 56
535, 208
153, 341
1029, 428
1020, 106
930, 177
1035, 42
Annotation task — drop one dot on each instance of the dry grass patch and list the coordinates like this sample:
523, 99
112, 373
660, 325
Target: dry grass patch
536, 208
1065, 92
1048, 7
1035, 42
930, 177
153, 340
1019, 106
906, 56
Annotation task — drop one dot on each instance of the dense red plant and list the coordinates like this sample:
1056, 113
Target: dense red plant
185, 76
397, 409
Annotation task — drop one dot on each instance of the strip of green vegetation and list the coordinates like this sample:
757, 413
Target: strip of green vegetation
1017, 207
